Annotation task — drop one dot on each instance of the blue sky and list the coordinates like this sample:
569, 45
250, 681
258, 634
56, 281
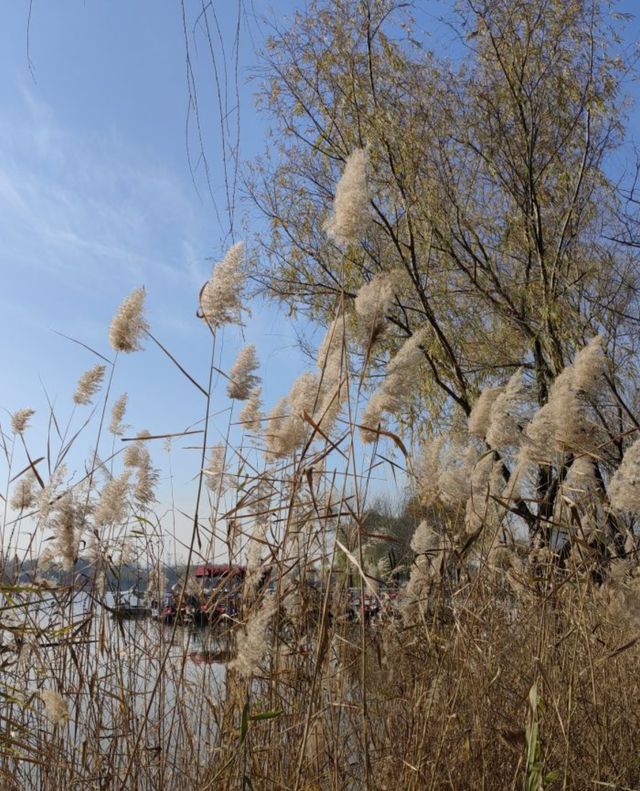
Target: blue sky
96, 198
95, 191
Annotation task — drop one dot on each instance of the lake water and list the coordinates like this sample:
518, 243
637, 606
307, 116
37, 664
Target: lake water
128, 684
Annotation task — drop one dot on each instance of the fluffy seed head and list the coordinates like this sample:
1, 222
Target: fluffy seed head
221, 297
580, 489
350, 215
454, 482
55, 706
20, 420
136, 453
391, 394
624, 487
486, 480
563, 422
146, 481
425, 539
88, 385
431, 552
117, 414
23, 493
506, 418
129, 324
287, 429
48, 496
305, 394
333, 347
333, 394
590, 366
96, 555
280, 433
252, 643
333, 375
66, 523
243, 378
112, 508
251, 415
254, 550
156, 582
216, 478
479, 419
372, 303
373, 415
427, 470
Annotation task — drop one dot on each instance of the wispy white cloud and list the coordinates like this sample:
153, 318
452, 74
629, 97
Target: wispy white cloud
84, 217
87, 206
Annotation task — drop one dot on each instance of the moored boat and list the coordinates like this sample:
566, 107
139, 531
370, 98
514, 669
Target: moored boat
130, 603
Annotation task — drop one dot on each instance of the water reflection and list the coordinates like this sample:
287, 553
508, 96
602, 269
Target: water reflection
208, 646
125, 681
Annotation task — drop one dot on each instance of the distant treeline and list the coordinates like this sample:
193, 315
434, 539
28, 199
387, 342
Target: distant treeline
117, 578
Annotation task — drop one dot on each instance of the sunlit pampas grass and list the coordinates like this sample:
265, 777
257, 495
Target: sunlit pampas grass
118, 411
242, 378
66, 522
24, 495
281, 432
112, 506
251, 415
426, 469
331, 625
252, 643
138, 458
55, 705
507, 415
129, 324
480, 417
146, 480
216, 477
392, 393
467, 604
136, 453
221, 298
456, 470
20, 420
624, 487
255, 550
88, 385
350, 216
372, 302
563, 423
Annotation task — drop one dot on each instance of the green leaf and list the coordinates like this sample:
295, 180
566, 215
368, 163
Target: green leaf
266, 715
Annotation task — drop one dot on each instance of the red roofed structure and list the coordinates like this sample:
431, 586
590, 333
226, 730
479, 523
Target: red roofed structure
205, 571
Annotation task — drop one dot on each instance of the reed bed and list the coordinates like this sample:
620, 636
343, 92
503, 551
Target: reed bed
507, 659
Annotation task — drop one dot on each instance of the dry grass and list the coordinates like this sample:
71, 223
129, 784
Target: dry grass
500, 667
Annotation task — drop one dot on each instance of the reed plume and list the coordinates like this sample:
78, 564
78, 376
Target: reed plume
117, 414
20, 420
242, 377
55, 706
88, 385
392, 393
129, 325
350, 216
624, 487
221, 299
251, 415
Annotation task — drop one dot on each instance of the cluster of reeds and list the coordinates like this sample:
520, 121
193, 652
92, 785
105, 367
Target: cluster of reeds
503, 655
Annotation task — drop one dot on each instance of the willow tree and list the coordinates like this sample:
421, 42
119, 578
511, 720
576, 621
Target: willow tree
488, 179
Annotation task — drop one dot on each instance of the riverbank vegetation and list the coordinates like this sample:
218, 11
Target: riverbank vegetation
456, 227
